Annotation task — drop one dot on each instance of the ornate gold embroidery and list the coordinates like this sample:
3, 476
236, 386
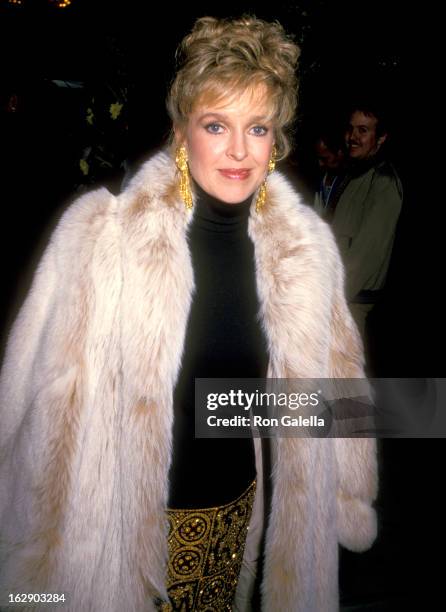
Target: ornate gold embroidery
205, 554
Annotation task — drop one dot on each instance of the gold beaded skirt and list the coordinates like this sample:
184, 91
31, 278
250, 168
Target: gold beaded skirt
205, 555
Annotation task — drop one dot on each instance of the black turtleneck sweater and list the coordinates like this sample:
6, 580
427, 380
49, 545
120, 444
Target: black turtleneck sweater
224, 339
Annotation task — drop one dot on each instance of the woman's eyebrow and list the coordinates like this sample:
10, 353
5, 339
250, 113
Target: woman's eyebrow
223, 117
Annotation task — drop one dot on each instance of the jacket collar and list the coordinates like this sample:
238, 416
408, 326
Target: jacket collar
288, 253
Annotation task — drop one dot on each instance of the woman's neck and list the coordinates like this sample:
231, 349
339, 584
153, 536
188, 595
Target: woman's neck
213, 209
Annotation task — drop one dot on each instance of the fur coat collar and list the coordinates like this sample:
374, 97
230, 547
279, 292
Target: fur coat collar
86, 402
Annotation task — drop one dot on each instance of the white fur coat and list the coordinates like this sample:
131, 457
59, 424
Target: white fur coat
86, 403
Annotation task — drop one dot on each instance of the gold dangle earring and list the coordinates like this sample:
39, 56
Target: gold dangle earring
261, 196
181, 163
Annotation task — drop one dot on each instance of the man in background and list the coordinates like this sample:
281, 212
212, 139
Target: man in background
365, 216
330, 152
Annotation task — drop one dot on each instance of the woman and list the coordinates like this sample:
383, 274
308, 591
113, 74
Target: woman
137, 296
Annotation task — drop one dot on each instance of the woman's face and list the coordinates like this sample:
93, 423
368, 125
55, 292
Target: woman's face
229, 145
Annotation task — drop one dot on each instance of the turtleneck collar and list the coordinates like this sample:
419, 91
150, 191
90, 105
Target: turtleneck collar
215, 215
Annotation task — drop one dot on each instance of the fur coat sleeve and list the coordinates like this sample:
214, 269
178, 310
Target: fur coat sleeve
86, 403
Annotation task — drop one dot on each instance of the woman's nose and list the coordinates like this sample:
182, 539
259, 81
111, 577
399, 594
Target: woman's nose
237, 147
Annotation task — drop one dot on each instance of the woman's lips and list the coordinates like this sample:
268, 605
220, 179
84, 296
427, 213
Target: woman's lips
233, 173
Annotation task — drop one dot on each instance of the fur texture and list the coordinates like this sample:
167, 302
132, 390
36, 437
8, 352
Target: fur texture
86, 403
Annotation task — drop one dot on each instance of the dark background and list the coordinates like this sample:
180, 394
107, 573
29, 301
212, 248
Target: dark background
347, 47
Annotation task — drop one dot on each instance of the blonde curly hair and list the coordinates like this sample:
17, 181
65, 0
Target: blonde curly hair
222, 57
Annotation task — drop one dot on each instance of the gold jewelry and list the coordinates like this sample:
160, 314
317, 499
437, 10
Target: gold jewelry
181, 162
261, 196
272, 161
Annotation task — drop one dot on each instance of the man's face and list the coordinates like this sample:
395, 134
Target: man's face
328, 160
361, 138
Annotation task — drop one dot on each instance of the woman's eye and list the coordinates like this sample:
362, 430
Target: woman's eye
214, 128
259, 130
